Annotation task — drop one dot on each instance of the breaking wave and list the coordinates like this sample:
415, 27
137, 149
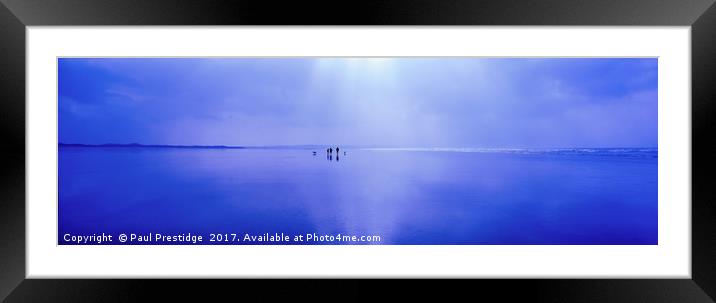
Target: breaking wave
632, 152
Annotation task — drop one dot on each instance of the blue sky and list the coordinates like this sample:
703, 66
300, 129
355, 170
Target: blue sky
392, 102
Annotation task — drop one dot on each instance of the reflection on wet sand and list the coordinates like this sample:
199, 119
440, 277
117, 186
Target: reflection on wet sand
404, 197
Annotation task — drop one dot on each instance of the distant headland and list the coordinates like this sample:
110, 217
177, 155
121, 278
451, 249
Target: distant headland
150, 145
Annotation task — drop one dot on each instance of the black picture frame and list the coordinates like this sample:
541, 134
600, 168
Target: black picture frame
16, 15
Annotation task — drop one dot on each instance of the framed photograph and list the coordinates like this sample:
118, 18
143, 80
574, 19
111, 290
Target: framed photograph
559, 148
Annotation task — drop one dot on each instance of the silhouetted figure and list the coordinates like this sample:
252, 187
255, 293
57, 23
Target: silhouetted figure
337, 159
344, 153
337, 150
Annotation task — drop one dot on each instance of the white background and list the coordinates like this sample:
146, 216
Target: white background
670, 258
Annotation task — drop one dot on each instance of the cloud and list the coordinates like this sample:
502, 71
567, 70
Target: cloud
476, 102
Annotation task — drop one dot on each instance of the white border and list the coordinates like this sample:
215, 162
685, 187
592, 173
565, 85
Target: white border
669, 259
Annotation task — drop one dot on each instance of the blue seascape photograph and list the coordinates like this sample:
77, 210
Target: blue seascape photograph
357, 151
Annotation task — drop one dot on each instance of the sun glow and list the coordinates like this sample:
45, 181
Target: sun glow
377, 69
365, 94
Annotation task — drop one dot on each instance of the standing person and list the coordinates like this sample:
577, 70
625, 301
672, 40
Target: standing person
337, 150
